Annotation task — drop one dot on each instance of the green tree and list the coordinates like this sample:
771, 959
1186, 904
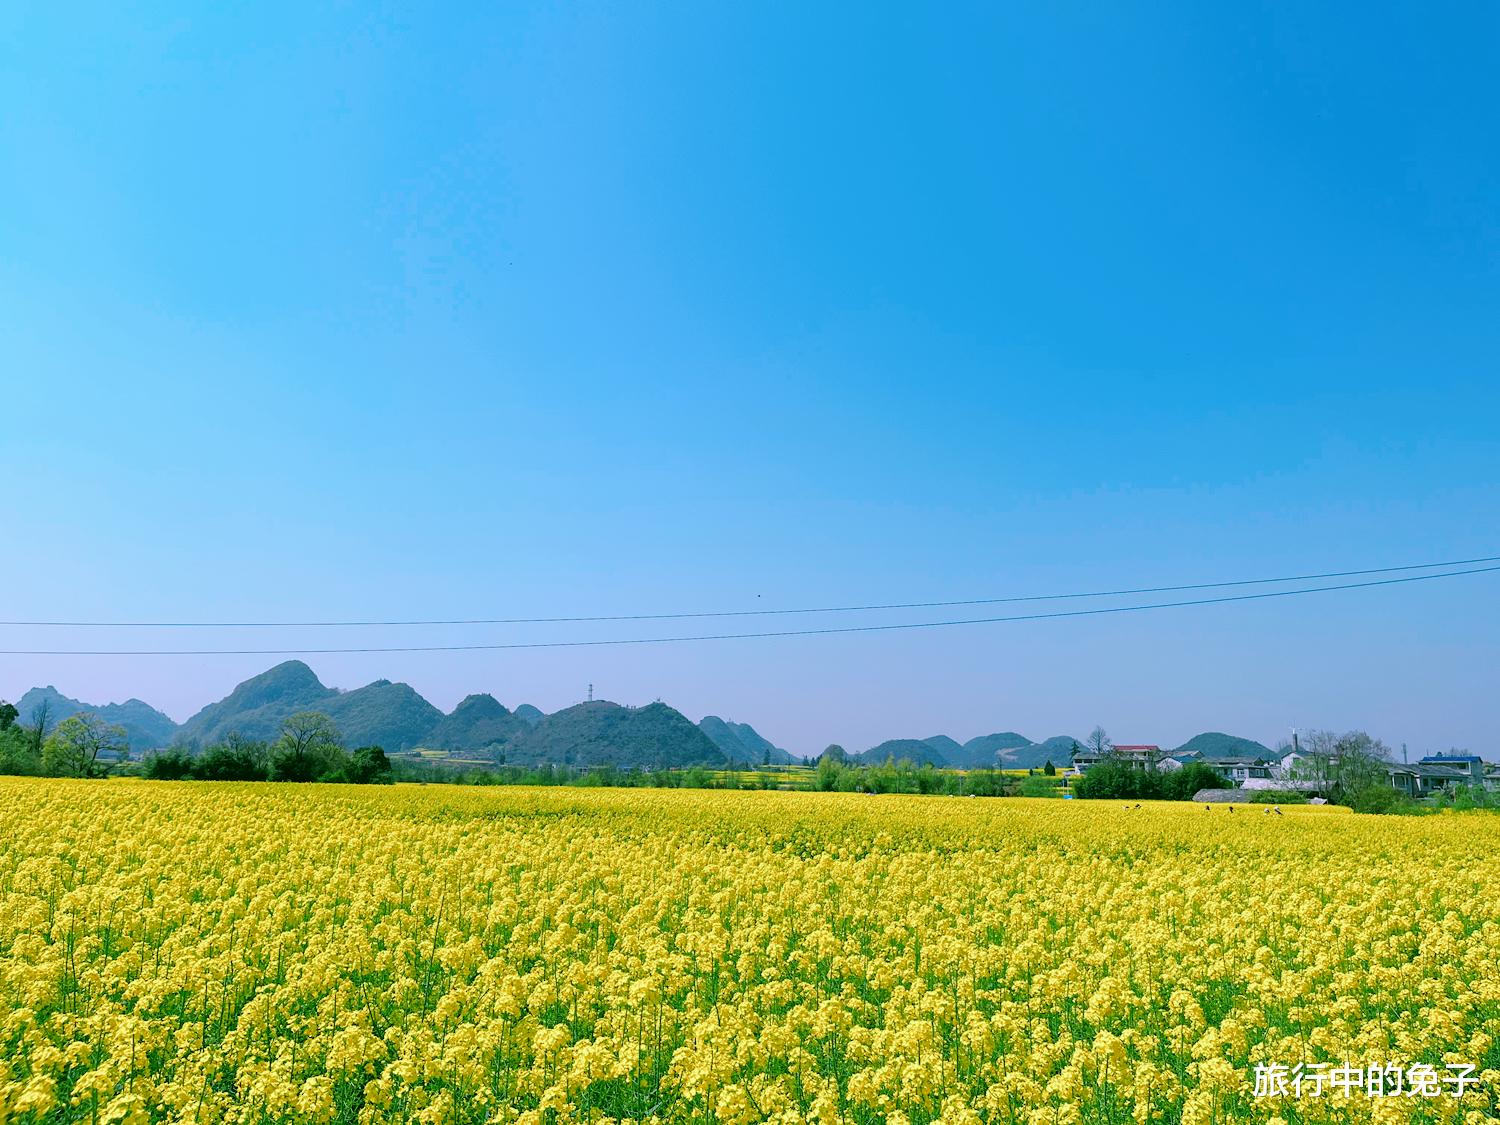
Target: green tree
1181, 785
16, 753
826, 777
1344, 765
309, 749
237, 758
1049, 769
169, 765
369, 766
1112, 779
1359, 764
84, 745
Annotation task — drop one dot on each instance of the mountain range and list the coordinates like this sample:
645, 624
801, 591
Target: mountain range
741, 742
144, 725
1003, 750
1216, 744
395, 716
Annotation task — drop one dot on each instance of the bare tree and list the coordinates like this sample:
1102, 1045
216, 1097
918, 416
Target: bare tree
1359, 762
41, 725
1342, 764
309, 745
1098, 741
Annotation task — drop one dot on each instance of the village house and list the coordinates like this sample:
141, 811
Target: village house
1287, 765
1140, 756
1427, 779
1471, 765
1241, 769
1176, 759
1434, 775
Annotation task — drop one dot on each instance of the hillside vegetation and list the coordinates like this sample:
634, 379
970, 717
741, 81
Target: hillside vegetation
602, 733
144, 725
1216, 744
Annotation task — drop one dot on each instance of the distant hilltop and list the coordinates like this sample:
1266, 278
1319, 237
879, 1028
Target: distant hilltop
1004, 750
396, 717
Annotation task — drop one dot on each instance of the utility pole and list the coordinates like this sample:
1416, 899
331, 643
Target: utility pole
1403, 754
591, 693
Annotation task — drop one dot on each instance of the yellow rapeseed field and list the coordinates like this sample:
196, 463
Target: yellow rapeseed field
202, 952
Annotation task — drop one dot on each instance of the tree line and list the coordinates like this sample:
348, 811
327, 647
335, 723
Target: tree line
82, 745
308, 747
1349, 768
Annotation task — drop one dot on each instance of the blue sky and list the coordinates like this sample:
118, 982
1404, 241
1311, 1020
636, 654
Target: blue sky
523, 309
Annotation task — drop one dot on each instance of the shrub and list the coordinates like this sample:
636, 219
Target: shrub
18, 754
1180, 785
368, 766
1041, 786
169, 765
238, 761
1472, 797
1381, 799
1278, 797
1113, 780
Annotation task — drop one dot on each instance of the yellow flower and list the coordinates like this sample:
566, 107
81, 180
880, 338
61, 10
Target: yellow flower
246, 953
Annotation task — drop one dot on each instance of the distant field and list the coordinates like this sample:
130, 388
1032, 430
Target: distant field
253, 953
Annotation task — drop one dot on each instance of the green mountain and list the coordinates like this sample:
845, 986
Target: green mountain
949, 748
529, 715
477, 723
256, 707
903, 749
762, 747
379, 714
722, 735
600, 733
984, 752
382, 714
1215, 744
742, 743
1058, 750
145, 726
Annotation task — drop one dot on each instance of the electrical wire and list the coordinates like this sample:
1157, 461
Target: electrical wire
1220, 600
598, 618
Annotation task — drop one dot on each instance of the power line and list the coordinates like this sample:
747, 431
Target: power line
599, 618
1220, 600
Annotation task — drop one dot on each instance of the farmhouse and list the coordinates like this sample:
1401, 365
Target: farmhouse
1470, 765
1434, 775
1241, 768
1428, 779
1148, 757
1178, 758
1140, 756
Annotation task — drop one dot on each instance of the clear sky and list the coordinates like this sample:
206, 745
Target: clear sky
521, 309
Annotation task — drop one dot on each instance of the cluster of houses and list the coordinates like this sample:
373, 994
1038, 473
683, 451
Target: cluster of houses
1434, 775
